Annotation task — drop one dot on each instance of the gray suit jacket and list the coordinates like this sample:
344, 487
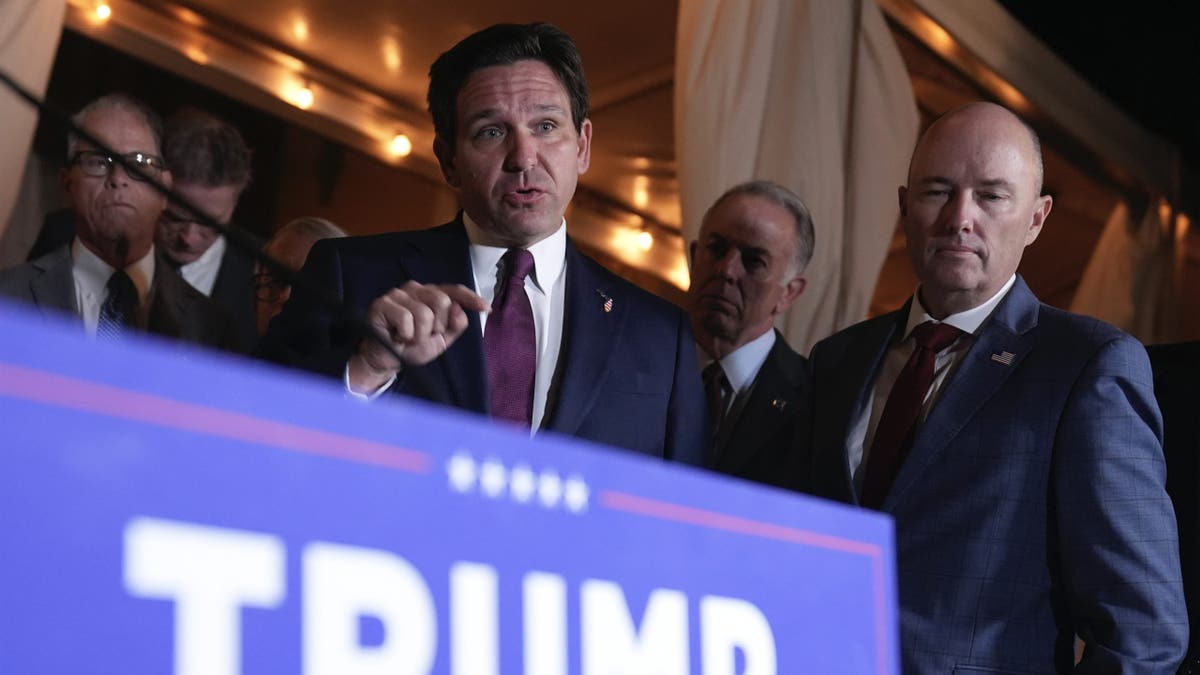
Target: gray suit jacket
176, 309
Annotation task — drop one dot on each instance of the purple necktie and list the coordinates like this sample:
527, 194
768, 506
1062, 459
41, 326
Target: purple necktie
510, 342
898, 423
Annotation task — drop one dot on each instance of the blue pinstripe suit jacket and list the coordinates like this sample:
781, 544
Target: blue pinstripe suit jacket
1031, 507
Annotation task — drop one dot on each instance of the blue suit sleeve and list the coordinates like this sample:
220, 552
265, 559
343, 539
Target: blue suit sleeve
1118, 546
687, 414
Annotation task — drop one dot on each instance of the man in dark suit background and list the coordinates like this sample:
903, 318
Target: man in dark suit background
211, 166
747, 267
1177, 388
497, 312
1017, 446
108, 275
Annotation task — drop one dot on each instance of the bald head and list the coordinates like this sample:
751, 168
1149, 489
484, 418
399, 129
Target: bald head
997, 117
972, 204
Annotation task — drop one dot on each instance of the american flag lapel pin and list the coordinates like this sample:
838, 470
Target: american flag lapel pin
608, 302
1004, 357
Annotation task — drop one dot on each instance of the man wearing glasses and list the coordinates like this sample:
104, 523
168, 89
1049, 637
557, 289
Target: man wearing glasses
109, 276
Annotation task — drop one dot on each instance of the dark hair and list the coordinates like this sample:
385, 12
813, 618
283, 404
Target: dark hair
501, 45
117, 101
789, 201
201, 148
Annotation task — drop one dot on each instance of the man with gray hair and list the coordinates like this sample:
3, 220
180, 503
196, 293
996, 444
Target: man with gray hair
108, 275
747, 269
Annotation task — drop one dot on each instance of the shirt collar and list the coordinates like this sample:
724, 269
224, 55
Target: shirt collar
214, 252
741, 365
95, 273
549, 255
968, 321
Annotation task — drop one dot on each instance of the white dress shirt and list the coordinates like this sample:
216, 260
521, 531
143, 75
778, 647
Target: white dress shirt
741, 366
91, 276
866, 419
546, 289
202, 272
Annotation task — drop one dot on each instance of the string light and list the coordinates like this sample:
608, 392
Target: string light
400, 146
103, 12
645, 240
303, 97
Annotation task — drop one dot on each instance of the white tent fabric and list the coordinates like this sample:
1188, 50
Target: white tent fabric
1129, 280
29, 34
813, 95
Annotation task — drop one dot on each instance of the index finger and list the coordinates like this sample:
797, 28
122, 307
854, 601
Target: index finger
465, 297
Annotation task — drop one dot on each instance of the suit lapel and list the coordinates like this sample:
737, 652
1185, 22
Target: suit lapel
444, 257
773, 400
842, 387
53, 289
1006, 334
590, 335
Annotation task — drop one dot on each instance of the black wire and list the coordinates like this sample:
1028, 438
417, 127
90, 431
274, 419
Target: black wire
241, 239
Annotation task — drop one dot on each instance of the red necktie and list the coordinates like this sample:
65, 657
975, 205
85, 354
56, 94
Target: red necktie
898, 423
510, 342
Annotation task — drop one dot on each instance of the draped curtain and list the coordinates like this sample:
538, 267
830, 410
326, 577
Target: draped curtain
813, 95
29, 33
1129, 280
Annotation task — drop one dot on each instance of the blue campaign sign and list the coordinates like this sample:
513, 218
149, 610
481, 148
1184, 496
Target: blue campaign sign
165, 509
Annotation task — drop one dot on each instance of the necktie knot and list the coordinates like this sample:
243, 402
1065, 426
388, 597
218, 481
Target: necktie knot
935, 336
518, 263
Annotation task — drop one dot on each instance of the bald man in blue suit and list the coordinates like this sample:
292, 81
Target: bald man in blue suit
1028, 494
614, 364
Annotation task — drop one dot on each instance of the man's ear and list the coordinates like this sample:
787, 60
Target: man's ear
584, 156
791, 290
1042, 210
902, 195
444, 150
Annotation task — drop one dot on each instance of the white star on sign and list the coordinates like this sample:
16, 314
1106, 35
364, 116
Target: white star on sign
461, 470
575, 494
493, 478
522, 483
549, 489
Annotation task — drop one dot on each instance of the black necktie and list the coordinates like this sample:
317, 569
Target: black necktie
119, 308
717, 390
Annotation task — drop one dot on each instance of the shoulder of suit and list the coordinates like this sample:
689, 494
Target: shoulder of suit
14, 278
625, 291
389, 244
1077, 329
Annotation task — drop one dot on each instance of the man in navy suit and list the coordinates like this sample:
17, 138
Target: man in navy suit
1017, 446
604, 360
747, 268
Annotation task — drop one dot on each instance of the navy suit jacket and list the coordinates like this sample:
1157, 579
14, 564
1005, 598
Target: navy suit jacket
1177, 386
626, 376
758, 440
1031, 506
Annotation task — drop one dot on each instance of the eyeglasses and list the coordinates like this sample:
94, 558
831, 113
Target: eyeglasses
268, 288
99, 165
